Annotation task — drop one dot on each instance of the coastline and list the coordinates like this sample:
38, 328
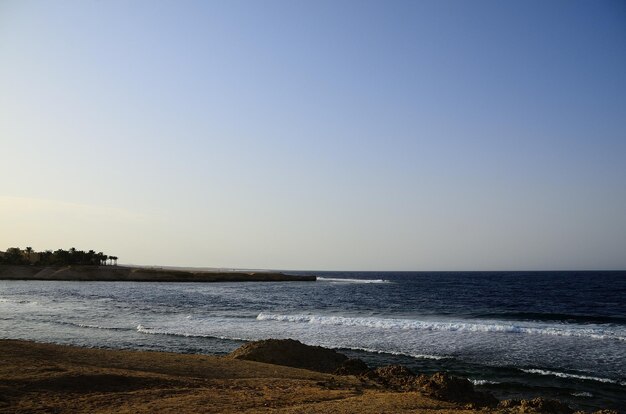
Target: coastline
214, 319
138, 274
36, 377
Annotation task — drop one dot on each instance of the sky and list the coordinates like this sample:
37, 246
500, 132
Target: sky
317, 135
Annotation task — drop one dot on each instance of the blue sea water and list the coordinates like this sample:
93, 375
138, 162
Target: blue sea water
515, 334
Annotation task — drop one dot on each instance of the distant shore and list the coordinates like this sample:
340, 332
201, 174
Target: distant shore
139, 274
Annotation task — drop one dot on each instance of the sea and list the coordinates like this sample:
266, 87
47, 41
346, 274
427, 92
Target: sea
559, 335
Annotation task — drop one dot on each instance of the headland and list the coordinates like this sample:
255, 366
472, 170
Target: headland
114, 273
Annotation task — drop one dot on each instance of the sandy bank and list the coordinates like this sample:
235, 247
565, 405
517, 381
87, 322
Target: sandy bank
62, 379
136, 274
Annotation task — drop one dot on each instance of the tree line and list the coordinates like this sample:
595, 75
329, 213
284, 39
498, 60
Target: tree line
60, 257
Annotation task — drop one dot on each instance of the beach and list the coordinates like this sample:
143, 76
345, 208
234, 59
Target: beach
503, 331
38, 377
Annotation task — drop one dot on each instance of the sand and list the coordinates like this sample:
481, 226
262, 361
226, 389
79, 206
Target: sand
37, 378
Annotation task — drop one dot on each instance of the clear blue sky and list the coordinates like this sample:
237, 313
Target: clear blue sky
362, 135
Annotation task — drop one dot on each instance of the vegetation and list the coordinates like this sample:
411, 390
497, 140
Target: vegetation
60, 257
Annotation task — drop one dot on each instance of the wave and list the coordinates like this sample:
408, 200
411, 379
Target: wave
109, 328
571, 376
19, 301
555, 317
90, 326
376, 351
482, 382
152, 331
452, 326
341, 280
582, 394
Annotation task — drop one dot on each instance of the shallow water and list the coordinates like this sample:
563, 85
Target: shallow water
560, 334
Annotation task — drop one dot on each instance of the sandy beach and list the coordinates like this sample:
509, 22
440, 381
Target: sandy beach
62, 379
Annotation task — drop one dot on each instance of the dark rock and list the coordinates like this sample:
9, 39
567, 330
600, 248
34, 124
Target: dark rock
352, 367
509, 403
396, 377
537, 405
448, 388
394, 371
542, 405
291, 353
440, 386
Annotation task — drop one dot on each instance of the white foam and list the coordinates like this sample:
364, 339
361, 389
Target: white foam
460, 326
418, 356
574, 376
582, 394
341, 280
86, 325
19, 301
188, 332
151, 331
482, 382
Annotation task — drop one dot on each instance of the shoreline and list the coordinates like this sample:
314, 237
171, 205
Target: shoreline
114, 273
44, 377
36, 377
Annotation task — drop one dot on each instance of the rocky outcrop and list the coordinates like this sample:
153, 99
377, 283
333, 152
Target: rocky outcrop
291, 353
536, 405
396, 377
446, 387
439, 386
353, 366
600, 412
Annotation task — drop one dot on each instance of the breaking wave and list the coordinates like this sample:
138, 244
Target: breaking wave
152, 331
572, 376
553, 317
91, 326
457, 326
482, 382
417, 356
340, 280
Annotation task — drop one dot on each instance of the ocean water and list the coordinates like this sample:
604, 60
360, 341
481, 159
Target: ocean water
515, 334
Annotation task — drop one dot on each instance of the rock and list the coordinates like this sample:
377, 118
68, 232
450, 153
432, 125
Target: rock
291, 353
537, 405
397, 377
440, 386
448, 388
353, 366
509, 403
542, 405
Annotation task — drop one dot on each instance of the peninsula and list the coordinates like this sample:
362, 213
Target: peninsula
78, 265
138, 274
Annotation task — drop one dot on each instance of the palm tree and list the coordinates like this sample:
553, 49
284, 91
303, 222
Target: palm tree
89, 257
115, 259
29, 250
